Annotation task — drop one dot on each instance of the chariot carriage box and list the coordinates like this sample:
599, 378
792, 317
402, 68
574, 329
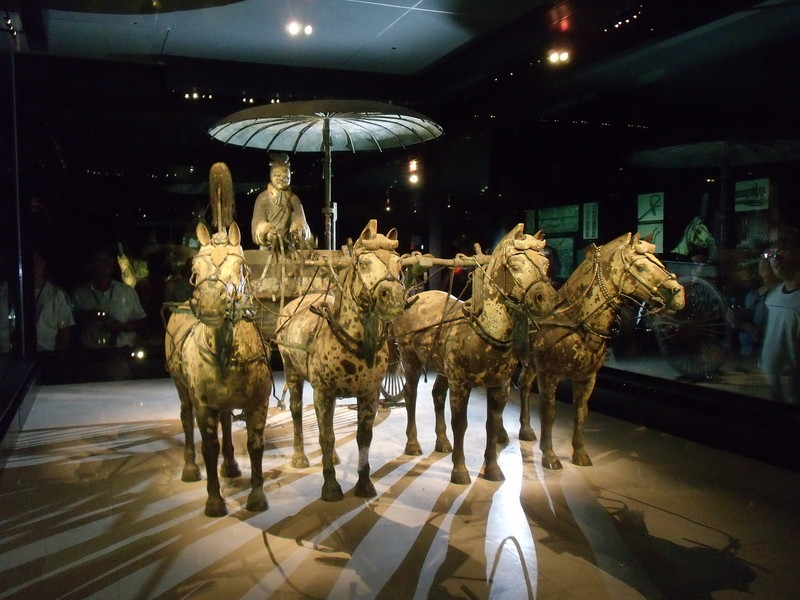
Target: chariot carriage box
276, 279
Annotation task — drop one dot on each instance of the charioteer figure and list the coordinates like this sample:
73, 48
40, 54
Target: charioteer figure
278, 216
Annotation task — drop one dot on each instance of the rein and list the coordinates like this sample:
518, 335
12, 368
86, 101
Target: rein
519, 310
614, 301
350, 343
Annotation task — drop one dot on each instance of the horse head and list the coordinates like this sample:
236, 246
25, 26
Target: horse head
641, 276
698, 235
219, 276
518, 269
376, 284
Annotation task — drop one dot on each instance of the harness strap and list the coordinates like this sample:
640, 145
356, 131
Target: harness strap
351, 344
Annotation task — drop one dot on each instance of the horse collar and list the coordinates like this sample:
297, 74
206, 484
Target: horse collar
601, 280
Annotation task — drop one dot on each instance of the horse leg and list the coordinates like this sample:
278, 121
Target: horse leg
526, 380
207, 422
581, 390
367, 407
230, 468
459, 398
412, 372
439, 393
295, 384
256, 419
547, 415
323, 406
191, 472
496, 398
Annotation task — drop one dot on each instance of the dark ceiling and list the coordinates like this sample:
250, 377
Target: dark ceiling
455, 58
106, 91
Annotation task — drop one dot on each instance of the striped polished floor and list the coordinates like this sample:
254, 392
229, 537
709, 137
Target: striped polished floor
93, 507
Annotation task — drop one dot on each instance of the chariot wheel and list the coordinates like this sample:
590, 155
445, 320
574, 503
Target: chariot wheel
693, 340
395, 378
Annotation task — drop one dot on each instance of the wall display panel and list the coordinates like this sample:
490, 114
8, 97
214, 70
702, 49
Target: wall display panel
565, 247
656, 231
751, 195
559, 219
591, 216
651, 207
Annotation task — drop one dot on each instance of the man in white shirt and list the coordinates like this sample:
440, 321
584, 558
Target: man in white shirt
109, 312
54, 318
780, 354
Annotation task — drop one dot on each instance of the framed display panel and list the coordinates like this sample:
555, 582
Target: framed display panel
565, 247
591, 216
650, 207
750, 195
657, 231
530, 221
559, 219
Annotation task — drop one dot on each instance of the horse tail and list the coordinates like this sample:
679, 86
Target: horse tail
220, 189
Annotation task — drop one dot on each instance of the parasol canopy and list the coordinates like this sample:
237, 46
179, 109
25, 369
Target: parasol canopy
326, 126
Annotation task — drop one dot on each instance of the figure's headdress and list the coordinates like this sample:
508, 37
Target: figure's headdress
278, 159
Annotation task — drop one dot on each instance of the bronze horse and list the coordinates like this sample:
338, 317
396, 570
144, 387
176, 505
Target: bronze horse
337, 342
474, 343
219, 362
574, 345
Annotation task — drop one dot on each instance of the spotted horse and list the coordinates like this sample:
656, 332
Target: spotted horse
474, 343
337, 342
219, 361
573, 345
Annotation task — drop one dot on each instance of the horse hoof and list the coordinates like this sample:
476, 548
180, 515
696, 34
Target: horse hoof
460, 477
366, 490
230, 470
581, 459
332, 493
527, 435
413, 449
493, 474
215, 507
300, 462
444, 446
551, 462
191, 473
257, 501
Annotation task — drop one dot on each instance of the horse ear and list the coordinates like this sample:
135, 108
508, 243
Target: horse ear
649, 237
635, 240
392, 234
370, 231
234, 234
202, 234
539, 235
518, 231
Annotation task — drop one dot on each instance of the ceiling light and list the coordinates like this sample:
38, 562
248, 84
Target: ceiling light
293, 28
308, 30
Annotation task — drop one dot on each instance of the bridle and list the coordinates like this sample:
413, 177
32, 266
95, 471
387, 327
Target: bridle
365, 298
236, 290
520, 311
615, 301
654, 298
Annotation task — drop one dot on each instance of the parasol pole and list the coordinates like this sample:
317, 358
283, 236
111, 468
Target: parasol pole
327, 209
